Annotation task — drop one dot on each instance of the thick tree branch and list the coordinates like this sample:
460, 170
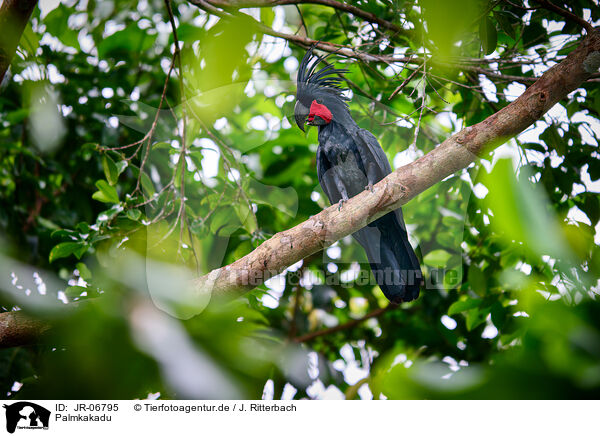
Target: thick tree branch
455, 153
14, 16
18, 329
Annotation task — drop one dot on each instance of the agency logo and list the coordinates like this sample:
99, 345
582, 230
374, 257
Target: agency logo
26, 415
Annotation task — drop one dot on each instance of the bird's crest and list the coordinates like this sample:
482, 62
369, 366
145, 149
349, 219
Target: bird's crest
312, 83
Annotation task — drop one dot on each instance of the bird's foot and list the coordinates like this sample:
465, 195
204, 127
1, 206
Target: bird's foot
370, 187
341, 203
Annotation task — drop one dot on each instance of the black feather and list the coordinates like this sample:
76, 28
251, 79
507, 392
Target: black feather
313, 84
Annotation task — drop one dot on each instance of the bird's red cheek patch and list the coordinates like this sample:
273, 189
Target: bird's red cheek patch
320, 110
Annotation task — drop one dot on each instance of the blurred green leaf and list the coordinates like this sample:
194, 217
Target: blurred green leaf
553, 140
131, 40
75, 291
520, 212
84, 271
134, 214
57, 25
437, 258
65, 249
463, 305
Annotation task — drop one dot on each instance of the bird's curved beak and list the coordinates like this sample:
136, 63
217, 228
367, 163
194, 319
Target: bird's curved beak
300, 113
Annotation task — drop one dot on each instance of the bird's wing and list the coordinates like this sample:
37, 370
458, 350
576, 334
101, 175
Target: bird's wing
324, 170
369, 144
372, 145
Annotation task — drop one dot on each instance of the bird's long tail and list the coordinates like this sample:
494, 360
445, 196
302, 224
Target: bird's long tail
393, 261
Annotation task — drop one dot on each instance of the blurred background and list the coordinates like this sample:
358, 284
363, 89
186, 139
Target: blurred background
128, 167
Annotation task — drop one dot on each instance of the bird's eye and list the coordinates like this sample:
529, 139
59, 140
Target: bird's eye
319, 101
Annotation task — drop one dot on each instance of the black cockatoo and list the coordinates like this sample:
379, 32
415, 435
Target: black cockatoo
350, 160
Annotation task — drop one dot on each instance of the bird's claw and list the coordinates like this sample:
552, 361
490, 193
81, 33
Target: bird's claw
341, 203
370, 187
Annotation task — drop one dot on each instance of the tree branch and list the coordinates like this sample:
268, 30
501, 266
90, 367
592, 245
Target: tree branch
345, 7
347, 325
455, 153
465, 64
298, 39
14, 16
18, 329
546, 4
568, 15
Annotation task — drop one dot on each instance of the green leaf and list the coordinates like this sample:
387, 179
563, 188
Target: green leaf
105, 193
83, 227
594, 169
188, 33
475, 317
224, 221
591, 207
147, 185
506, 23
75, 291
246, 217
178, 172
57, 25
499, 313
65, 249
17, 116
453, 278
134, 214
110, 170
30, 40
109, 214
477, 279
553, 140
127, 42
437, 258
121, 166
520, 212
47, 223
534, 146
463, 305
286, 200
536, 33
163, 146
267, 15
84, 271
65, 233
596, 102
488, 35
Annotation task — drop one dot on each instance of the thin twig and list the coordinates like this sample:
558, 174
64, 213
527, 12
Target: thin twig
568, 15
423, 96
347, 325
399, 88
520, 6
